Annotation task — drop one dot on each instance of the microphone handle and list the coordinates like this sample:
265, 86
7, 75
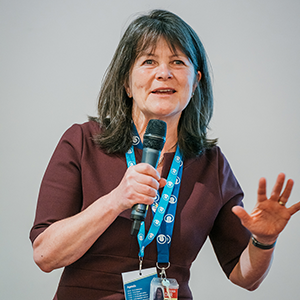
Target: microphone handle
150, 156
139, 211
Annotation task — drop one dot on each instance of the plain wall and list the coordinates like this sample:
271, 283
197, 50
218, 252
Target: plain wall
53, 56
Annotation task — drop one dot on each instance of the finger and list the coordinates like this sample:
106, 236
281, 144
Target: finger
136, 183
275, 194
145, 174
162, 182
262, 190
294, 208
146, 189
287, 191
147, 169
242, 214
148, 181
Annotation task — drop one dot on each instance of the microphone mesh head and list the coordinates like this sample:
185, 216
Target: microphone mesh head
155, 135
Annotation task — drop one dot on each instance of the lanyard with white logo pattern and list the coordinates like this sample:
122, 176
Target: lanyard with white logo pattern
163, 208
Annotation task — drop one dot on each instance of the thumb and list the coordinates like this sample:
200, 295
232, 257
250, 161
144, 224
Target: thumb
242, 214
162, 182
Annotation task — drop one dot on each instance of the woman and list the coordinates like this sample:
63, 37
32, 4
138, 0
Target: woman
159, 71
159, 294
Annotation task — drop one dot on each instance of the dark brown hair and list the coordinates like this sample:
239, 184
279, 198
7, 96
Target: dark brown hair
114, 106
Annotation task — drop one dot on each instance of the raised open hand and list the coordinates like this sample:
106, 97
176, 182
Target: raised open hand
270, 215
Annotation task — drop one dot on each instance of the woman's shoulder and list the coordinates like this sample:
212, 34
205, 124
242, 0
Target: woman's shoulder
90, 127
212, 160
78, 136
211, 154
82, 130
216, 156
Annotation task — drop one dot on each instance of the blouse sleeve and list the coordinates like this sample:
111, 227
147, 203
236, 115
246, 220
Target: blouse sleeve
228, 236
60, 194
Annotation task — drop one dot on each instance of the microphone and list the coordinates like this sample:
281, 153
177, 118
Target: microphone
153, 143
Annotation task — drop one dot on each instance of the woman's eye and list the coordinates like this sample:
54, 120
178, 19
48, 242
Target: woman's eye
148, 62
178, 62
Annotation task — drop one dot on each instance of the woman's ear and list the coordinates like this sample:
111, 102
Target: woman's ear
199, 75
197, 79
128, 91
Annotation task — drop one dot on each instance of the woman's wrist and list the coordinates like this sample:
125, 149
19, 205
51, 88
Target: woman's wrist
261, 245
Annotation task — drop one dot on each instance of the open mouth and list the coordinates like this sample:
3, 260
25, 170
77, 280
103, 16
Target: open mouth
164, 91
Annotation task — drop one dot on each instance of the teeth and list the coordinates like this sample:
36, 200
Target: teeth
164, 91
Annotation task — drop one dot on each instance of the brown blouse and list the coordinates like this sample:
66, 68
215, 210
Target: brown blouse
79, 173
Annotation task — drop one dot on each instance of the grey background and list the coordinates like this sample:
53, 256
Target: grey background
53, 56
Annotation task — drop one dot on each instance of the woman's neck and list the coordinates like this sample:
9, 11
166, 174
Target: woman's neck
171, 135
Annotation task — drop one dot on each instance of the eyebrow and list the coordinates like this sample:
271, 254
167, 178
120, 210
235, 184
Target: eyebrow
147, 54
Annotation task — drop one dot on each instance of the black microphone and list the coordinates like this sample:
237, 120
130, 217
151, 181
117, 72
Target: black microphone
153, 143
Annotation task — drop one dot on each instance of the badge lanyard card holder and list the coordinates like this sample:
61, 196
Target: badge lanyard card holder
164, 209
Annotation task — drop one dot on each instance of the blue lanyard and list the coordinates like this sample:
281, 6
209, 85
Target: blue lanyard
163, 208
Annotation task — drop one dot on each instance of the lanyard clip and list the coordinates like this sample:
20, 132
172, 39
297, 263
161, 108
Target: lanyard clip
140, 265
163, 274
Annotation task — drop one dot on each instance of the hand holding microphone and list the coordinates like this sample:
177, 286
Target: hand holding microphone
153, 143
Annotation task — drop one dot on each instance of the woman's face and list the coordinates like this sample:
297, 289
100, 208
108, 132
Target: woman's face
161, 83
159, 293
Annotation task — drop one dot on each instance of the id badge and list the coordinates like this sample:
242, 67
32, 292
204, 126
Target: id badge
137, 283
164, 289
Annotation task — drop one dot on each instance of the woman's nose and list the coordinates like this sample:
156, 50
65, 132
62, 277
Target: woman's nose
163, 72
